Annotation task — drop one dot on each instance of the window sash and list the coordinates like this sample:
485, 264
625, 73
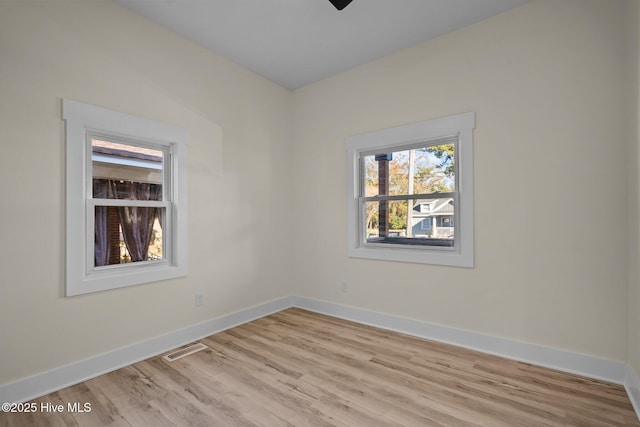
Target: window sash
167, 247
167, 162
449, 139
362, 216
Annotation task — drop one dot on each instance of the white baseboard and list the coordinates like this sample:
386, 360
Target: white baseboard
589, 366
74, 373
632, 385
575, 363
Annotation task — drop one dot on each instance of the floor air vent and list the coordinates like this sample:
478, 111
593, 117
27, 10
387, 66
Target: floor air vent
178, 354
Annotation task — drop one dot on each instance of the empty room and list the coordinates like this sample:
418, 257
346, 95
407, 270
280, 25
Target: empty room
314, 212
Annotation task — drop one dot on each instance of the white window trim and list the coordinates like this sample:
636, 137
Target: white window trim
461, 125
82, 119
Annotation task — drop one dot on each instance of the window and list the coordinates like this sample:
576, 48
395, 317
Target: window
126, 200
410, 193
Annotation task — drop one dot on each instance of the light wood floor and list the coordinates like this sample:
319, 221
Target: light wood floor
297, 368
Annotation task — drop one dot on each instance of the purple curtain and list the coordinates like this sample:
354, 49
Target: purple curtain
137, 222
101, 240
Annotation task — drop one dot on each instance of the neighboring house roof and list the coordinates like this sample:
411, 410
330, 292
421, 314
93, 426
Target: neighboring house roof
112, 160
126, 151
442, 206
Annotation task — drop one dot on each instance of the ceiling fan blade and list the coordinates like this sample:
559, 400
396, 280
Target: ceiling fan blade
340, 4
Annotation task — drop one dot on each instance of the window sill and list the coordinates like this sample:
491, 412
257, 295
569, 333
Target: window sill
413, 254
111, 278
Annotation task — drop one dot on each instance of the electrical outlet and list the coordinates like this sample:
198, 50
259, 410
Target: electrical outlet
345, 287
199, 299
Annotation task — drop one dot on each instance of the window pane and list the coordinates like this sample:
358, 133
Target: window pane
123, 171
422, 170
371, 176
127, 234
429, 222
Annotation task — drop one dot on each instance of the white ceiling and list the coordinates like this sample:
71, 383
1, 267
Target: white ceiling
297, 42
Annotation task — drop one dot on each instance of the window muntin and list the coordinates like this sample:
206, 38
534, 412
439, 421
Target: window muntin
117, 162
438, 200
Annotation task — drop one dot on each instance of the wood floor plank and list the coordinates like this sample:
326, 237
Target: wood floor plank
299, 368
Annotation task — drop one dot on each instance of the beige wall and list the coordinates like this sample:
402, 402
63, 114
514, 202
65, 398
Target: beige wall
550, 85
99, 53
547, 83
